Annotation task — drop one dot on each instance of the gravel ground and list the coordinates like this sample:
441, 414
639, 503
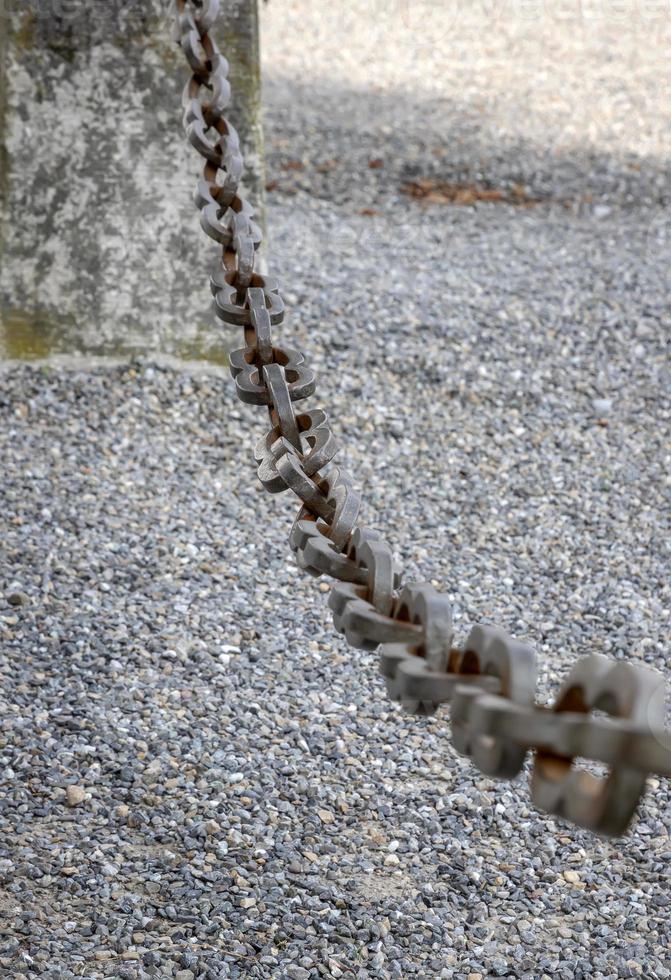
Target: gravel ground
199, 778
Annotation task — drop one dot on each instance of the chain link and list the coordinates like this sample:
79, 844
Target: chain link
490, 681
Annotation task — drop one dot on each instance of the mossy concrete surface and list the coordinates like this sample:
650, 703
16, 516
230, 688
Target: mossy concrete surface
100, 245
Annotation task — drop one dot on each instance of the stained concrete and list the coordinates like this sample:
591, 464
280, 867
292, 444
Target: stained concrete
101, 246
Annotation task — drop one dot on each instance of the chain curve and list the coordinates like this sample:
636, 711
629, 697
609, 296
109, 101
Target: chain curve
490, 681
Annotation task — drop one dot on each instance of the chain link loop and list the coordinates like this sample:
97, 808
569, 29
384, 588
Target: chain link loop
490, 681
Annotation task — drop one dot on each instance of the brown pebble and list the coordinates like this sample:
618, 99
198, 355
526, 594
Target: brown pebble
75, 795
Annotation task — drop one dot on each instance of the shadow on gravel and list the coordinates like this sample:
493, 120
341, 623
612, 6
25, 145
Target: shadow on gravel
356, 144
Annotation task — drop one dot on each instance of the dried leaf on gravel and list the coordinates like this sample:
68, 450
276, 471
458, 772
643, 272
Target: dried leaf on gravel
442, 192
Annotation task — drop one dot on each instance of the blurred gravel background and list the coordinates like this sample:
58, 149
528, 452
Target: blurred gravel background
199, 779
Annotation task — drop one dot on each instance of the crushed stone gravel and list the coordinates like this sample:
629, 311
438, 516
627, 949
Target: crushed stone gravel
198, 778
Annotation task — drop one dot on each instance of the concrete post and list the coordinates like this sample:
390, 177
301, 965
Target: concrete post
100, 247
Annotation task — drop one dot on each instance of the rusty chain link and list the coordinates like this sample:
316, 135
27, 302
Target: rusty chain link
490, 681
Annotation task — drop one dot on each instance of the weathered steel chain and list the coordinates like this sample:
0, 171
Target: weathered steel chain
490, 681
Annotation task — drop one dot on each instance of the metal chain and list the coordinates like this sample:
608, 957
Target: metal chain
490, 681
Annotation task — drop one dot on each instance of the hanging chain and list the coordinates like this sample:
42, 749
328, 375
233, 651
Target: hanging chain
490, 681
